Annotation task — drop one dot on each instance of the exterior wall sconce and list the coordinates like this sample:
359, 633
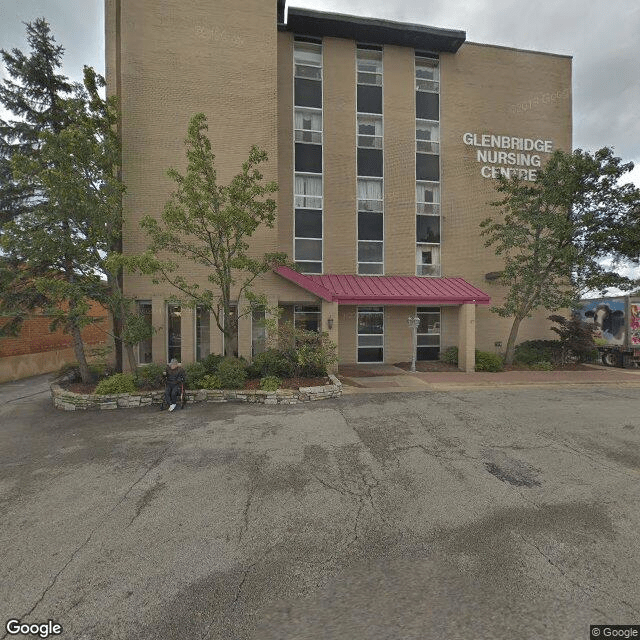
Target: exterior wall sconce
330, 323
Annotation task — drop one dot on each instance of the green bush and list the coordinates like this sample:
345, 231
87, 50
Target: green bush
117, 383
150, 375
232, 373
271, 362
486, 361
194, 372
542, 366
532, 351
211, 363
270, 383
450, 355
210, 381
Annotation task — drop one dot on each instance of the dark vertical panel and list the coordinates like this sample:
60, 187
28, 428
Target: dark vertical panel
427, 167
427, 105
369, 98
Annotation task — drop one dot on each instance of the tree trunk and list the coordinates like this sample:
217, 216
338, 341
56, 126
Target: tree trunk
78, 349
511, 342
133, 364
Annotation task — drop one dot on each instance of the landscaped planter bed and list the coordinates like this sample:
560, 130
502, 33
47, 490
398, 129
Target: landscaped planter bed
70, 401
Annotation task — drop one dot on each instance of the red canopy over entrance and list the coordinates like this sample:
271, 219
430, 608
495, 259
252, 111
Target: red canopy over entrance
387, 290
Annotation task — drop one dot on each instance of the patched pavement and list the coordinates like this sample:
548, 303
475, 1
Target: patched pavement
484, 513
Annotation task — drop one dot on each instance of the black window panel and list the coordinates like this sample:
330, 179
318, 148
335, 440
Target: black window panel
369, 225
370, 354
309, 267
369, 99
427, 353
308, 223
427, 105
309, 157
308, 93
370, 162
427, 229
427, 167
428, 309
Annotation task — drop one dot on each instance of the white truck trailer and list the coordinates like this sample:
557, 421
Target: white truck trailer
617, 333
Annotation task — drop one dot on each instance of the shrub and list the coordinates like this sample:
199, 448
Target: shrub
532, 351
271, 362
576, 337
150, 375
97, 370
211, 362
117, 383
194, 372
450, 355
486, 361
270, 383
210, 381
542, 366
232, 373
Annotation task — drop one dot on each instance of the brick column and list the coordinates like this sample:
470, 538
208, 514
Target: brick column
159, 322
188, 334
467, 337
330, 310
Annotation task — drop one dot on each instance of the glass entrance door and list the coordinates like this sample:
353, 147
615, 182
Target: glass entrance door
428, 333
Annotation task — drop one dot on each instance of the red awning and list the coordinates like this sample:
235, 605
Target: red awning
387, 290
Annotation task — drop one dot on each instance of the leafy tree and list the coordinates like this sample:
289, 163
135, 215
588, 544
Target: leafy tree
209, 225
576, 337
557, 231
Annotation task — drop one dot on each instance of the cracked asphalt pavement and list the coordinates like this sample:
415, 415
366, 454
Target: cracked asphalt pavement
490, 513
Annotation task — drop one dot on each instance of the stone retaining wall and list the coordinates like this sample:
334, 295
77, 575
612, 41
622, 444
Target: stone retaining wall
69, 401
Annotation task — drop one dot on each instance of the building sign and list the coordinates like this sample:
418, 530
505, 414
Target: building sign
507, 155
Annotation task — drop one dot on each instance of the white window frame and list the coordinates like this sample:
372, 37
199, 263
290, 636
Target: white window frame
379, 75
430, 333
139, 303
195, 332
435, 150
425, 85
316, 134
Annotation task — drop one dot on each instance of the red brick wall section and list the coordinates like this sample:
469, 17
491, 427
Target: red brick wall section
35, 336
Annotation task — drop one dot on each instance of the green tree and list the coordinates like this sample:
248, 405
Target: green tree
209, 225
556, 233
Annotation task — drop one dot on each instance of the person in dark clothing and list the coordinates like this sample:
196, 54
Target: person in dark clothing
174, 377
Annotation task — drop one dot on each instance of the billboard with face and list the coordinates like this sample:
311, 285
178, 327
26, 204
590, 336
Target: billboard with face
608, 316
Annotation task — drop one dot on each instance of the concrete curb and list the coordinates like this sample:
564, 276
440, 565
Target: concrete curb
69, 401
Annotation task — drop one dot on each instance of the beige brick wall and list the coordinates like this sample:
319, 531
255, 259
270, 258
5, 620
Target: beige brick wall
228, 60
339, 149
399, 161
487, 89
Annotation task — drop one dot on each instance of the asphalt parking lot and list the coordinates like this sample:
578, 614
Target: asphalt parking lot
486, 513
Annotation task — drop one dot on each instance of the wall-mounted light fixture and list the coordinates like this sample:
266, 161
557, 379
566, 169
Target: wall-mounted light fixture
330, 323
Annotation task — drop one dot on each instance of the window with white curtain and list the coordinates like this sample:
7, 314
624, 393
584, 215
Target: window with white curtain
308, 125
428, 198
370, 131
308, 191
427, 136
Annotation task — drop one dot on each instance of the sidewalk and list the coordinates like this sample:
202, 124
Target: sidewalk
389, 379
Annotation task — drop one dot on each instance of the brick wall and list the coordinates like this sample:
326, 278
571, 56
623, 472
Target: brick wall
35, 336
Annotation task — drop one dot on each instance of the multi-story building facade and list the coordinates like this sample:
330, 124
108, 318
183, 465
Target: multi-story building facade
384, 138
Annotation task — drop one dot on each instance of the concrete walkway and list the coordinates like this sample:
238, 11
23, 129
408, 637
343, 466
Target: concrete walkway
393, 379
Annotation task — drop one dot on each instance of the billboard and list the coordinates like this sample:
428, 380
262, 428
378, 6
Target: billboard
608, 316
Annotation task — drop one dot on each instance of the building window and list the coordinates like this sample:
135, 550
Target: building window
428, 236
370, 161
308, 125
369, 79
174, 332
370, 334
145, 350
428, 333
308, 226
427, 136
428, 260
370, 131
307, 317
203, 333
258, 331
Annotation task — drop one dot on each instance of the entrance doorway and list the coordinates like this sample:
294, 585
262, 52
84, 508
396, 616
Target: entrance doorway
428, 333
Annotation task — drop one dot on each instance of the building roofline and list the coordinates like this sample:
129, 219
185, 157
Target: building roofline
500, 46
373, 30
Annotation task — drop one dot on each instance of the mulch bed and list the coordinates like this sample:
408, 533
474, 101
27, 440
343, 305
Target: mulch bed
287, 383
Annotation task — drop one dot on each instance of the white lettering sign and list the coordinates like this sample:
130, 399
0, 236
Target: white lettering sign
520, 154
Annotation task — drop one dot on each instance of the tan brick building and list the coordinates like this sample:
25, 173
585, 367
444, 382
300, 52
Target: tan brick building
384, 139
